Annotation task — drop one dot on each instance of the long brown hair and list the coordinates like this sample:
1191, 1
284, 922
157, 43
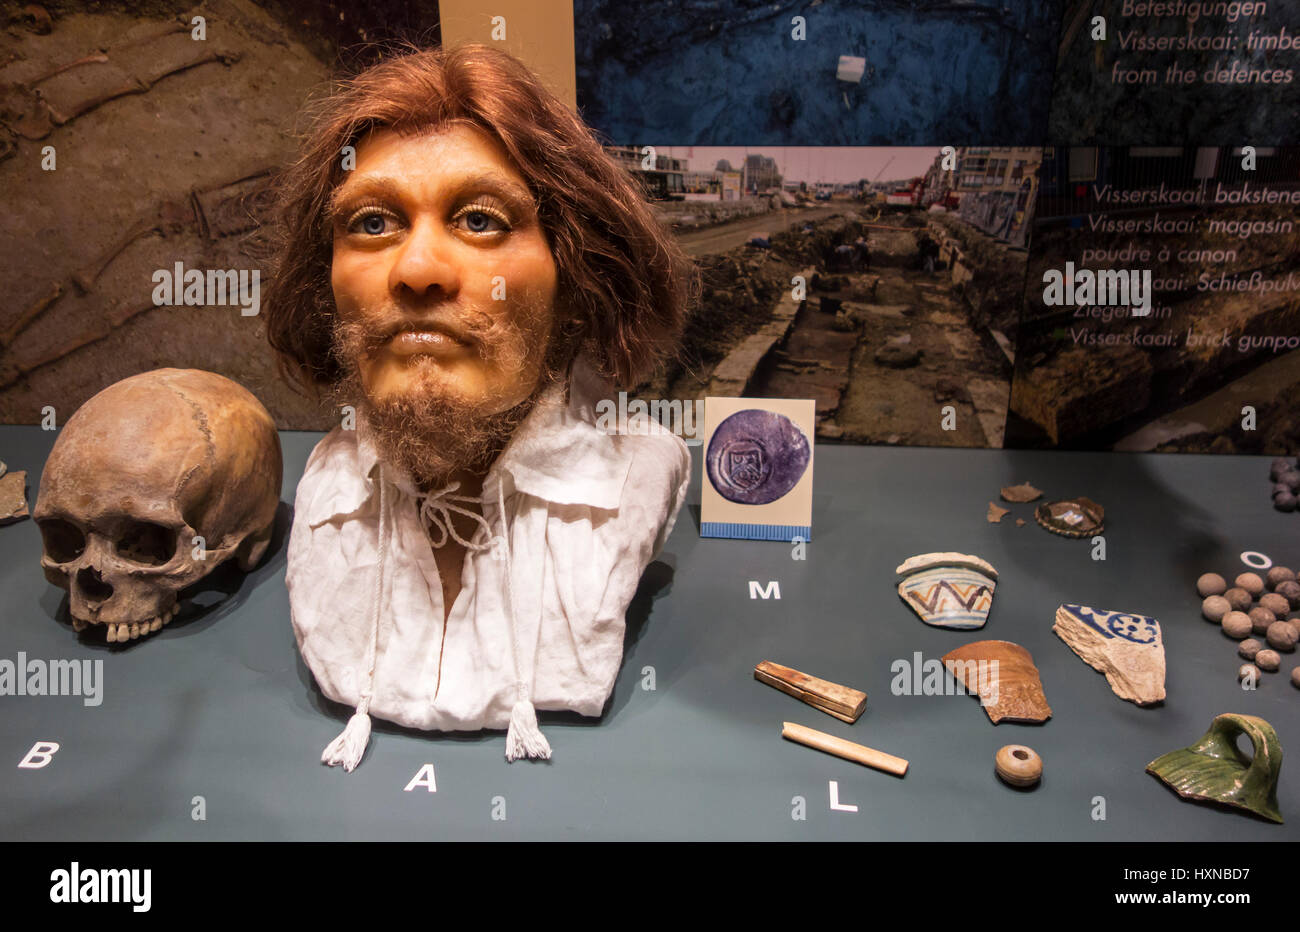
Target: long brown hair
621, 275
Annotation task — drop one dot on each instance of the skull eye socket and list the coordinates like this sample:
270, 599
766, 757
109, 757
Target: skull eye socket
143, 542
64, 541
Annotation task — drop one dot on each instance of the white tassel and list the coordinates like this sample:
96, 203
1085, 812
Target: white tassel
525, 739
348, 747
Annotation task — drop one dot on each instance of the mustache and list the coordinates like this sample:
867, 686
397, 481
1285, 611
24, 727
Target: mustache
474, 328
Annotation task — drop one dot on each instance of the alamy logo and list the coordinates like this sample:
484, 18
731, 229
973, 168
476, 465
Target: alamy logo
920, 677
683, 418
191, 287
25, 677
1086, 288
106, 885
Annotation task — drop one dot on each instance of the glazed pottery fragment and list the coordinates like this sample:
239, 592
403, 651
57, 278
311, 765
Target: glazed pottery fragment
1128, 648
1215, 770
13, 496
1072, 517
1021, 493
1003, 675
756, 457
948, 590
996, 513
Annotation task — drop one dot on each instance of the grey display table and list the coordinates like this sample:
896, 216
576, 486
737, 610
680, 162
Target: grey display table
219, 706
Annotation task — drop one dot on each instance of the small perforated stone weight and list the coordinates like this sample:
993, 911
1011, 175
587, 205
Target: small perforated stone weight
1018, 765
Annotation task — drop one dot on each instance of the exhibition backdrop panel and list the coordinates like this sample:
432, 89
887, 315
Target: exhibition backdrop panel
1165, 72
842, 72
1191, 342
219, 706
537, 32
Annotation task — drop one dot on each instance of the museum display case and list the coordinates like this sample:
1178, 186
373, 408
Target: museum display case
847, 421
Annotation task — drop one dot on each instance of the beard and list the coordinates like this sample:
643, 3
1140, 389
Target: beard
428, 431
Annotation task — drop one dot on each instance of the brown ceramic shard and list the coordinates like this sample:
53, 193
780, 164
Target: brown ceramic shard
1128, 648
1003, 675
1215, 770
1021, 493
1072, 517
13, 497
996, 514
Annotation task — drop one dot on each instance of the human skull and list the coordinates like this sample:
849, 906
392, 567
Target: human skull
152, 484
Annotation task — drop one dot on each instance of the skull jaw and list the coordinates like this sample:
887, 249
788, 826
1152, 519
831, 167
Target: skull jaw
136, 608
147, 604
127, 631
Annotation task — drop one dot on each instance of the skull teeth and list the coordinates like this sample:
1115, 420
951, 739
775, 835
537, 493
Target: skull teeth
120, 633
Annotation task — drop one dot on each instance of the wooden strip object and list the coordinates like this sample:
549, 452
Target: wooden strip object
840, 701
859, 754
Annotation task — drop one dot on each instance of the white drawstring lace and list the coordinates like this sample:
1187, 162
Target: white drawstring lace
435, 512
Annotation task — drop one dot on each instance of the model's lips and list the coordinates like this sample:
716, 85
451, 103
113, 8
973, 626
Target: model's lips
433, 341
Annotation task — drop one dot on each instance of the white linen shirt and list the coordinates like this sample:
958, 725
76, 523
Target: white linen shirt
586, 512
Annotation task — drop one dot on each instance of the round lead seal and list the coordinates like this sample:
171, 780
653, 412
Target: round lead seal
756, 457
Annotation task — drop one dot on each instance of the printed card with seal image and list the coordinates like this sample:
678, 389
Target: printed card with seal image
758, 468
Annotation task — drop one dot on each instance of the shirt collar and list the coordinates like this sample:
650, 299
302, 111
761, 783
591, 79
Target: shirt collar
558, 454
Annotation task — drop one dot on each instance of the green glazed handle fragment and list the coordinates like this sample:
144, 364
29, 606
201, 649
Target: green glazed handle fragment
1214, 769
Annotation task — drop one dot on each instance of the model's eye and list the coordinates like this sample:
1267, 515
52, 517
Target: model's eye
372, 221
480, 220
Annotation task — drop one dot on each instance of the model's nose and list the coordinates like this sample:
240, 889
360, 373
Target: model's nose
424, 265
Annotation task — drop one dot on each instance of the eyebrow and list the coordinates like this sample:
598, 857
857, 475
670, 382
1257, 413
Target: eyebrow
390, 188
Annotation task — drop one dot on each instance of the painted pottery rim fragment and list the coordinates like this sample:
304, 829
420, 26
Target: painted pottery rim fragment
948, 590
925, 561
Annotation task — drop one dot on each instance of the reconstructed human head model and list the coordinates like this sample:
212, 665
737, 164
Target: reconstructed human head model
454, 238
